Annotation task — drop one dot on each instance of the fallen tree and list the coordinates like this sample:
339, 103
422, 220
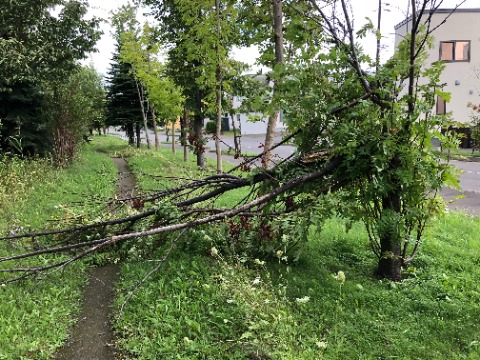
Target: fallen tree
358, 135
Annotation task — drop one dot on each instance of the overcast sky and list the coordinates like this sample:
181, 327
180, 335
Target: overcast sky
361, 10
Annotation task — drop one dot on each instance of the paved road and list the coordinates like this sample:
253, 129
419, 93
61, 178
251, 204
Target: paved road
250, 144
467, 200
470, 178
253, 144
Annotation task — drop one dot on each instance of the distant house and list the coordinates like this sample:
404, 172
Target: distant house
457, 43
243, 120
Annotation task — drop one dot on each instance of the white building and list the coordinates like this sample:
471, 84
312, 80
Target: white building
457, 43
244, 120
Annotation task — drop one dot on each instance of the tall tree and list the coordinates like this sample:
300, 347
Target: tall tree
163, 98
123, 108
40, 49
382, 134
218, 88
189, 28
273, 26
126, 29
273, 118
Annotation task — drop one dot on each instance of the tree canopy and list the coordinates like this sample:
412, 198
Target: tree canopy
41, 43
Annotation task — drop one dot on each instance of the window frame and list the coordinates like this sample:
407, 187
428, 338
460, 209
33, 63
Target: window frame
437, 106
454, 42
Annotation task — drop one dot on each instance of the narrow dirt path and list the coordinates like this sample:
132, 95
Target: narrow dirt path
92, 337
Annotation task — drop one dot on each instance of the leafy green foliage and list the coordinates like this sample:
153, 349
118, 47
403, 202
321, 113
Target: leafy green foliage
195, 53
38, 45
40, 49
161, 92
23, 129
72, 107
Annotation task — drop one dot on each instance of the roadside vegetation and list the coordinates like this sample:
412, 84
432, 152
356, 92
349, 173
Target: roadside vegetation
35, 315
209, 301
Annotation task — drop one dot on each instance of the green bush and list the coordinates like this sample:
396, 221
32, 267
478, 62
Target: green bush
210, 127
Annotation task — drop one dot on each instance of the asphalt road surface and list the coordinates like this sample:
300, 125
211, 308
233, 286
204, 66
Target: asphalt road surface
468, 199
470, 178
250, 144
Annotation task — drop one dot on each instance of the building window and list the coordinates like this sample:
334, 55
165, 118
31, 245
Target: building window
455, 50
441, 106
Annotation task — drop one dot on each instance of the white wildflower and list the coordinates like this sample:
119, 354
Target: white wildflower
259, 262
256, 281
321, 344
207, 238
214, 251
340, 277
302, 300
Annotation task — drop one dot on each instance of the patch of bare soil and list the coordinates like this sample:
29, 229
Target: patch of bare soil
92, 337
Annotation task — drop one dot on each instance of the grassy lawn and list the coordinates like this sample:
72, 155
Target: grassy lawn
35, 315
208, 305
204, 306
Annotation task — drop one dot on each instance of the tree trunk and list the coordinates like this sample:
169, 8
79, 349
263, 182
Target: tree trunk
236, 137
218, 95
273, 118
138, 134
198, 140
141, 98
130, 133
173, 137
390, 262
155, 128
183, 134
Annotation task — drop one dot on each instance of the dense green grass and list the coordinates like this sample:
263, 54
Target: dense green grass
35, 315
432, 314
200, 306
203, 304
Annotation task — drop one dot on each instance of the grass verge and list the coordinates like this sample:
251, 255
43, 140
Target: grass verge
35, 315
202, 305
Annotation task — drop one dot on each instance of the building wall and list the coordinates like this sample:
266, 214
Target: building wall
462, 78
258, 127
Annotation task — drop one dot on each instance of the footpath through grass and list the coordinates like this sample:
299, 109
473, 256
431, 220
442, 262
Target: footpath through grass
204, 306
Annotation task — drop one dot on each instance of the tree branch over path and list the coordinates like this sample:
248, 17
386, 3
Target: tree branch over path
90, 247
